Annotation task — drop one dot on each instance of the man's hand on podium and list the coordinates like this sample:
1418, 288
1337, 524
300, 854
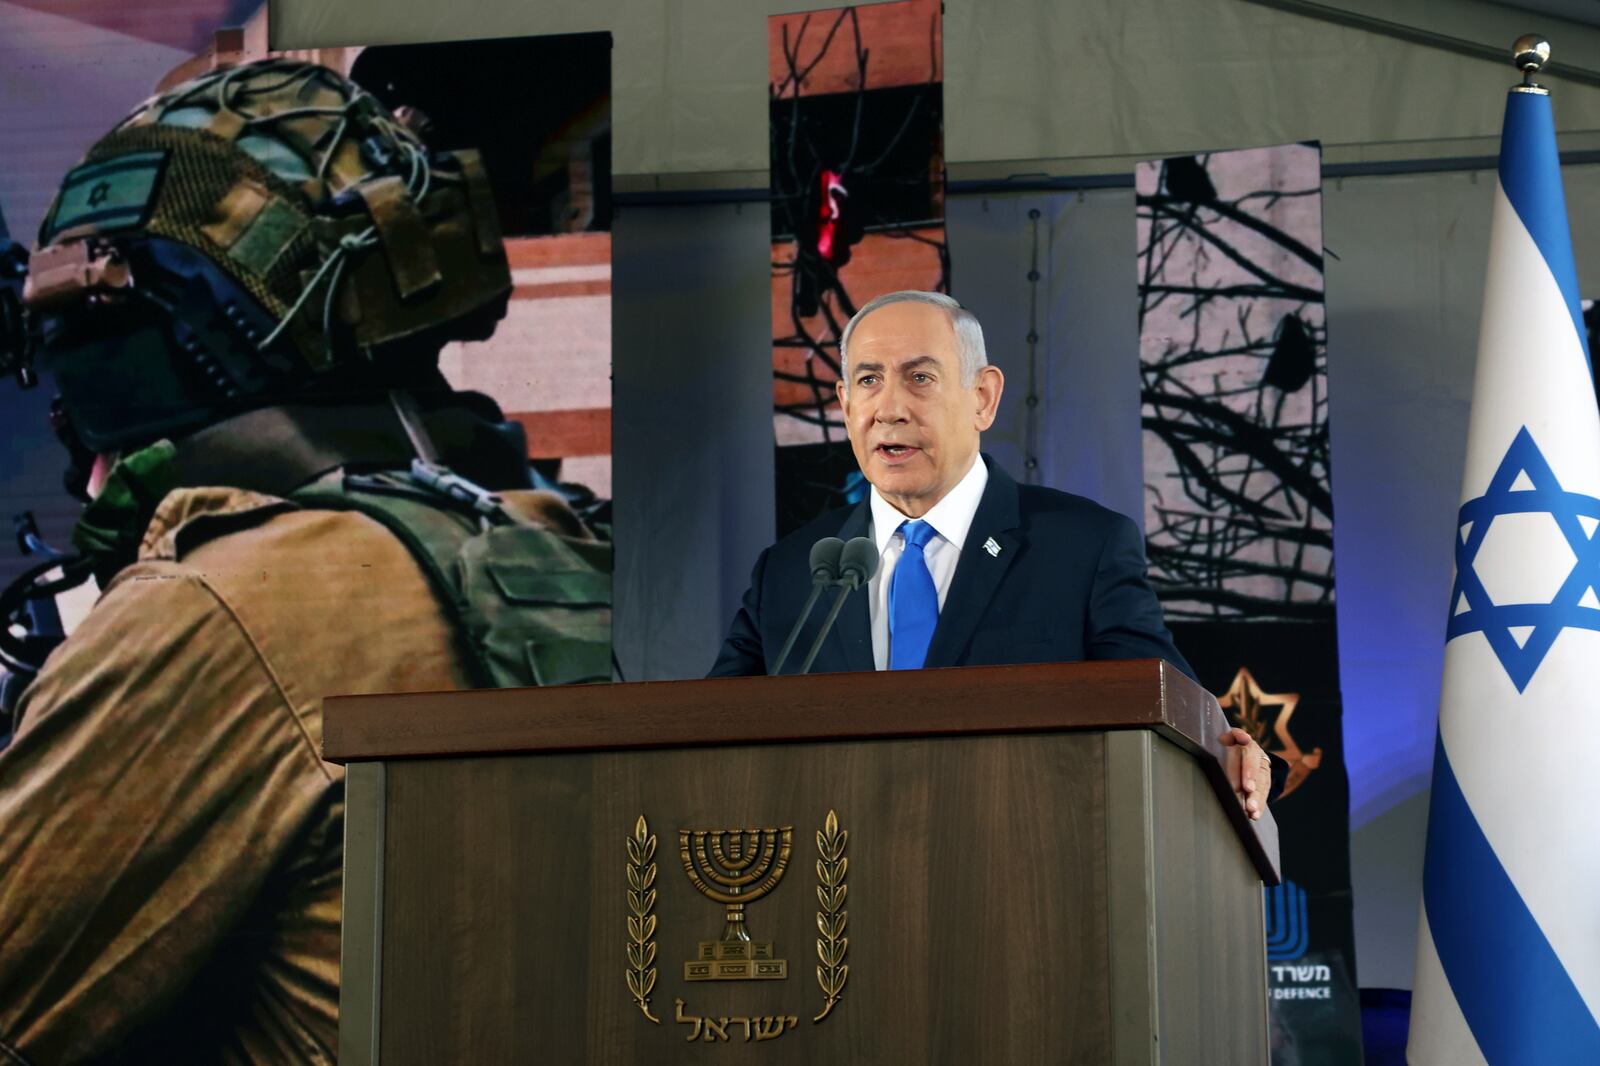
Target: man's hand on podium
1249, 772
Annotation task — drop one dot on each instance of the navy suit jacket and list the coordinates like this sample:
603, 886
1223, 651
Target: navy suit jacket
1068, 583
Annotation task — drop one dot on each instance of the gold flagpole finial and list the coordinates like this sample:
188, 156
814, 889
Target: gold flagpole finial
1529, 54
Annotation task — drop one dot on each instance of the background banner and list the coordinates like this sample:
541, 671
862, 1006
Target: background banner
1239, 521
857, 106
537, 108
340, 314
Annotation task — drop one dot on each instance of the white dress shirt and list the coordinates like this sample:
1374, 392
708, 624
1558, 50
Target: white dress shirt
951, 519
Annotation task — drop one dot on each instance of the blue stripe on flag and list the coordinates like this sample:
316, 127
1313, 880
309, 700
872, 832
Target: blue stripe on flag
1512, 989
1530, 173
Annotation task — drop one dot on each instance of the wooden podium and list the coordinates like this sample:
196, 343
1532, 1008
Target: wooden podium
1026, 864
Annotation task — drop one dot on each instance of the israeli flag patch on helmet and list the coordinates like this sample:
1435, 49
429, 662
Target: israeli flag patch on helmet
107, 195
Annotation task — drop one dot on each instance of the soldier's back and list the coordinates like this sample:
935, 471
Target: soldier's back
191, 858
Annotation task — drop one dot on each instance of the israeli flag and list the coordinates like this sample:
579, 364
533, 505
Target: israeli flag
1508, 956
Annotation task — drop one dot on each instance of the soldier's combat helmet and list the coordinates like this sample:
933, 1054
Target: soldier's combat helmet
253, 236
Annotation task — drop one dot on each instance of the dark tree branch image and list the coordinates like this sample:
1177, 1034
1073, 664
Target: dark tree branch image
1233, 385
857, 168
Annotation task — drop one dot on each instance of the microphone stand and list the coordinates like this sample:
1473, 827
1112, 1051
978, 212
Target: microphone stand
825, 555
857, 563
817, 585
846, 587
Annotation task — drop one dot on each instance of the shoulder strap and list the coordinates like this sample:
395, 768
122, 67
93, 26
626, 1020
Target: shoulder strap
530, 606
431, 534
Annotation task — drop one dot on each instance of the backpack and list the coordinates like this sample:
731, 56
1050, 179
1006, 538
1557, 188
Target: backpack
530, 606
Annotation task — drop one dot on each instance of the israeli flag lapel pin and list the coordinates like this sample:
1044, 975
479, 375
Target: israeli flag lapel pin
992, 548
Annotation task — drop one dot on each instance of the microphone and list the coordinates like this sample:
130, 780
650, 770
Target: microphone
857, 563
824, 572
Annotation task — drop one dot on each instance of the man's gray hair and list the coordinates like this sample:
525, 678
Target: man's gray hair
969, 334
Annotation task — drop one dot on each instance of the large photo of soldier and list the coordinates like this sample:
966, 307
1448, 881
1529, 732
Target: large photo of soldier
255, 299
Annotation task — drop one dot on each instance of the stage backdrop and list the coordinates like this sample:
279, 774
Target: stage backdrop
857, 120
1239, 525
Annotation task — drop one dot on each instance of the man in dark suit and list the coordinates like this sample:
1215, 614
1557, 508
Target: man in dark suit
975, 569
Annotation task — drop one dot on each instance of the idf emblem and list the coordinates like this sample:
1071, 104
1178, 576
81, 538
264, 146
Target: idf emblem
735, 868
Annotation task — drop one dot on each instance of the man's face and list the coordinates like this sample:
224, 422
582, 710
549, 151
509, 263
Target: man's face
912, 423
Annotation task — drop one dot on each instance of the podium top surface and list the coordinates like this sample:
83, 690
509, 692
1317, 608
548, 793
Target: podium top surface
1039, 698
1051, 697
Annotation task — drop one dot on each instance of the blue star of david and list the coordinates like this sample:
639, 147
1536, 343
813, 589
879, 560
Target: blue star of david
1495, 621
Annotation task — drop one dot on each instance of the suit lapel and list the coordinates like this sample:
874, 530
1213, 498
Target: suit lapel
979, 571
851, 639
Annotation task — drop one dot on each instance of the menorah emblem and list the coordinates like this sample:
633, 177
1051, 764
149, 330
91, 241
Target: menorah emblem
735, 867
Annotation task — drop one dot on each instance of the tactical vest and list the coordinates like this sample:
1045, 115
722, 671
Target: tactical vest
530, 606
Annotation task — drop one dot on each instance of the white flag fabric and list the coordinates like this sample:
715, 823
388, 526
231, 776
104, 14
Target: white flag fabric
1508, 957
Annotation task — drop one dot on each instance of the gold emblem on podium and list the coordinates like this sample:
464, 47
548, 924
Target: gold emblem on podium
641, 922
832, 919
735, 867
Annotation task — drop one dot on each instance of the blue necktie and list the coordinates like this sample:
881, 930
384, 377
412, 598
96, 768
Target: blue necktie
913, 601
